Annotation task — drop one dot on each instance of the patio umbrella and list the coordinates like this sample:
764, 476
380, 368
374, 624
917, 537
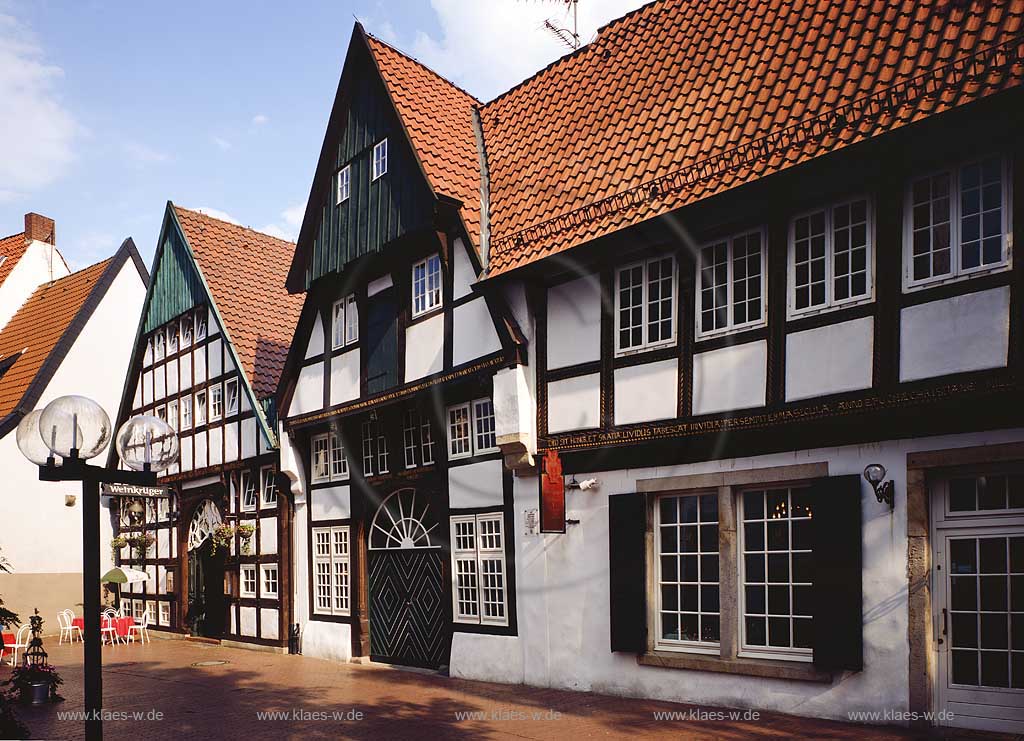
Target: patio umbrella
124, 575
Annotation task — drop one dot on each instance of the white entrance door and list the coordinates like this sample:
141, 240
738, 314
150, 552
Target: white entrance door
978, 581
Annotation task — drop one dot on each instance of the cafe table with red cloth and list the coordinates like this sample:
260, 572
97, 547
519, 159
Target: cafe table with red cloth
121, 624
8, 642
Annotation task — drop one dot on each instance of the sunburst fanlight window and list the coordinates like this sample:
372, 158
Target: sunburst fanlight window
403, 521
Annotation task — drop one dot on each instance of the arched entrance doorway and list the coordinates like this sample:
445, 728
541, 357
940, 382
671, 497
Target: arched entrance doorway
205, 616
406, 583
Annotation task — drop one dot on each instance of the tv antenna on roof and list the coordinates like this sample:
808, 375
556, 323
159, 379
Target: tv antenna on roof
567, 37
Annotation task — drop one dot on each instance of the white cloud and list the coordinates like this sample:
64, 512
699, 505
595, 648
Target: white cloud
259, 119
216, 213
37, 130
141, 154
489, 47
224, 144
287, 226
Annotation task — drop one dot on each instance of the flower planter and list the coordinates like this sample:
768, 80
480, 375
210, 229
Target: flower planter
35, 693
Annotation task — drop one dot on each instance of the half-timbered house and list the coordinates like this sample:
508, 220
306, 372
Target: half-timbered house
211, 343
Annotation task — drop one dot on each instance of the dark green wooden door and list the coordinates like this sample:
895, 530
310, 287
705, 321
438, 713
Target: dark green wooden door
381, 342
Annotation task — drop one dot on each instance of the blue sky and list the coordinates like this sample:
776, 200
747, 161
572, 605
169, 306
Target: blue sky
109, 109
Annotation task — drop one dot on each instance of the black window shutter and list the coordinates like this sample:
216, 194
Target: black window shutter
838, 600
627, 551
381, 342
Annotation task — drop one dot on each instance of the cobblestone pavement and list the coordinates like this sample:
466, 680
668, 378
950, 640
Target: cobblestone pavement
222, 701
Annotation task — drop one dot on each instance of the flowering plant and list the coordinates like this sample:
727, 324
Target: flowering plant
141, 542
245, 532
117, 543
222, 535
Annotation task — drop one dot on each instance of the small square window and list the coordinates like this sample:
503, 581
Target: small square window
380, 158
344, 184
247, 581
268, 587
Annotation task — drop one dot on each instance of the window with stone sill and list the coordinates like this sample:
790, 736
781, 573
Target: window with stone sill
331, 570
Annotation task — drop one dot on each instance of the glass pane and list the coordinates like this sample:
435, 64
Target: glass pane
753, 536
667, 506
803, 635
688, 598
755, 600
687, 509
669, 597
754, 568
962, 495
688, 625
992, 555
688, 539
688, 568
709, 628
709, 508
964, 630
964, 593
778, 632
778, 536
709, 598
669, 568
995, 669
753, 505
963, 556
778, 567
778, 600
994, 630
993, 593
670, 626
756, 631
965, 667
992, 492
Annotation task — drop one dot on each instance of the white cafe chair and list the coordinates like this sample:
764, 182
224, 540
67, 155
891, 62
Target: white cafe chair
20, 641
141, 629
67, 629
111, 630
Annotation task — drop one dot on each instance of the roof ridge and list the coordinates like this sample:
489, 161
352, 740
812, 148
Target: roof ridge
432, 71
197, 212
77, 272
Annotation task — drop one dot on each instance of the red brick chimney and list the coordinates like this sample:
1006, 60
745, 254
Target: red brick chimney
40, 228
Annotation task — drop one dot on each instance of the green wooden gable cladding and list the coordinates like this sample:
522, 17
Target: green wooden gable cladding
377, 211
176, 285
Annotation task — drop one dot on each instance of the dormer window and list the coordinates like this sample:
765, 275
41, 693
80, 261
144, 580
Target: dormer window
344, 183
426, 285
380, 158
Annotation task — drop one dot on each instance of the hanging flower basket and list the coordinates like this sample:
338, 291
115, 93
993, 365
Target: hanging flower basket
141, 543
222, 535
245, 532
117, 544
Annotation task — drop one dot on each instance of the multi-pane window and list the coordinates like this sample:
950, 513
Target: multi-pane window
687, 568
777, 568
186, 412
268, 580
165, 613
460, 443
376, 455
200, 324
216, 402
200, 408
380, 158
830, 253
479, 592
186, 330
471, 429
417, 441
158, 351
344, 183
328, 454
161, 413
732, 284
426, 285
139, 607
247, 486
483, 426
172, 338
344, 322
956, 222
247, 581
172, 415
331, 570
645, 305
971, 494
231, 396
268, 486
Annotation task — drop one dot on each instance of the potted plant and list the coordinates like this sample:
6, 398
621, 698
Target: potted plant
141, 543
35, 682
245, 532
117, 544
222, 535
10, 726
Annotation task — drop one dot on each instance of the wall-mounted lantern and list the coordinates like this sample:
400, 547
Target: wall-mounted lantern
874, 473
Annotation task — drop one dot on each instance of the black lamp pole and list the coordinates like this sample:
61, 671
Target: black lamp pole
76, 469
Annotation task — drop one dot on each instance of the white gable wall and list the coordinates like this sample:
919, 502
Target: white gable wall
41, 262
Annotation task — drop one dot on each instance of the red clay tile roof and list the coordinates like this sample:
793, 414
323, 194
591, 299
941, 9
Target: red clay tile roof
574, 150
38, 326
245, 271
438, 117
12, 248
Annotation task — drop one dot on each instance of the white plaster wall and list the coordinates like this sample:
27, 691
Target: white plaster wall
268, 536
345, 377
248, 437
216, 445
324, 640
424, 348
315, 346
563, 597
29, 504
214, 353
473, 333
333, 503
201, 459
830, 359
268, 622
463, 275
199, 365
184, 376
574, 322
647, 392
172, 376
575, 403
247, 621
309, 390
230, 442
963, 333
475, 485
380, 284
730, 378
39, 263
185, 452
159, 386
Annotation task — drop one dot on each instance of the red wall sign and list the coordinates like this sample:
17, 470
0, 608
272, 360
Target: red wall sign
552, 495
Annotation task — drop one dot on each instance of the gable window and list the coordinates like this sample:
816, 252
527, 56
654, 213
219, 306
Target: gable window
186, 330
172, 415
331, 570
200, 408
216, 402
471, 429
268, 572
247, 581
344, 184
344, 322
186, 412
231, 396
479, 593
247, 486
830, 257
147, 358
731, 294
329, 462
956, 223
200, 324
645, 305
268, 486
158, 345
380, 158
376, 455
172, 338
686, 543
426, 285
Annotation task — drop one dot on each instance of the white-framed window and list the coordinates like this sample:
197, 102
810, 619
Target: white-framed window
200, 409
165, 613
645, 300
138, 607
216, 402
247, 581
186, 412
186, 330
376, 454
344, 184
479, 589
147, 357
172, 414
172, 338
328, 458
686, 543
158, 344
331, 570
830, 257
956, 223
426, 285
231, 396
731, 284
380, 158
268, 580
161, 412
200, 324
344, 322
776, 573
426, 441
268, 487
418, 442
471, 429
247, 487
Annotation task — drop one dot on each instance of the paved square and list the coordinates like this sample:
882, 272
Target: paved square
322, 699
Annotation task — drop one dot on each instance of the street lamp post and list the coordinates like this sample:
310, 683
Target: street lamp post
60, 439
